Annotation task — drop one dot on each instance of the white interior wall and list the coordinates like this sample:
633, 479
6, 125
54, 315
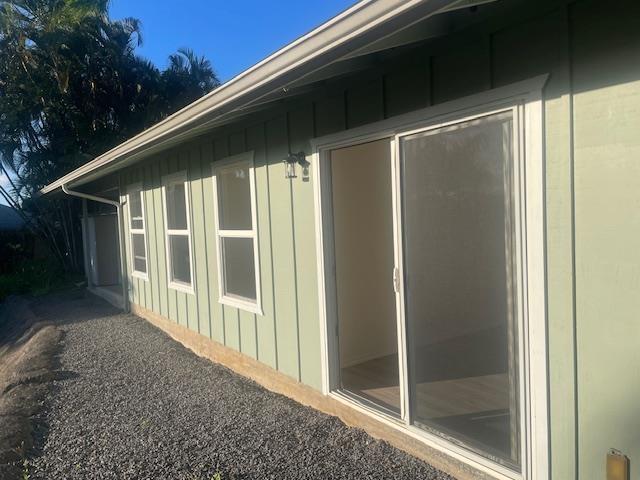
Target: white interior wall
455, 229
363, 229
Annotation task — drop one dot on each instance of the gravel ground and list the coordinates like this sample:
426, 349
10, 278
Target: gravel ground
133, 403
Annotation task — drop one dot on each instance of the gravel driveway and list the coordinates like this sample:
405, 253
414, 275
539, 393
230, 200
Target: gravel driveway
133, 403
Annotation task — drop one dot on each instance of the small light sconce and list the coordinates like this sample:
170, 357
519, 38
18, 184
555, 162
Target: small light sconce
290, 162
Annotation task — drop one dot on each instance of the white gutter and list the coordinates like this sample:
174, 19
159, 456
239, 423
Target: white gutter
121, 237
72, 193
336, 33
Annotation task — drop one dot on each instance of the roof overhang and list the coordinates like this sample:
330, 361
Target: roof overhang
355, 30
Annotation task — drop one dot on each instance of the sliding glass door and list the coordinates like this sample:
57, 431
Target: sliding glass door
458, 241
425, 291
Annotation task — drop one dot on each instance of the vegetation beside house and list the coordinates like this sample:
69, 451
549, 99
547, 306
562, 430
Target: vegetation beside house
71, 87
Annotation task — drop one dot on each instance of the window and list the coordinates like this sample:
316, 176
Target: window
175, 193
236, 233
137, 232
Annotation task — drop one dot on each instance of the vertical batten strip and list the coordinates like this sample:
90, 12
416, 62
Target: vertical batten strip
199, 244
294, 254
301, 129
189, 152
265, 324
282, 245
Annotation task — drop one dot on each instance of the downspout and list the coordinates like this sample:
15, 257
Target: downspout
121, 236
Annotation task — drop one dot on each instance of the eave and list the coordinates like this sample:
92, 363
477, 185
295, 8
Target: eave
354, 30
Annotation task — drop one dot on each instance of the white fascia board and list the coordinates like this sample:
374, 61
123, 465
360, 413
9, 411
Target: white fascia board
339, 31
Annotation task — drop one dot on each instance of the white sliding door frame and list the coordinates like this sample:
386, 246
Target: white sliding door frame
524, 100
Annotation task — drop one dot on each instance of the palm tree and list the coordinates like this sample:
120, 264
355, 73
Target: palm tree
187, 78
72, 87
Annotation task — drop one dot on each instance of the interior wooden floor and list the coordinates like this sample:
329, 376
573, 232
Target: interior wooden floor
377, 379
474, 408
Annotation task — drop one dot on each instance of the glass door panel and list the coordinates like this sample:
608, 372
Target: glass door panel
459, 284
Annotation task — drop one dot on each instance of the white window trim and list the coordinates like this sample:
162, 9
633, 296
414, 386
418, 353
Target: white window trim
525, 98
232, 301
178, 177
137, 187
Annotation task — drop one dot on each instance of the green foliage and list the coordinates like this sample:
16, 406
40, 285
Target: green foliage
36, 277
71, 88
15, 248
25, 470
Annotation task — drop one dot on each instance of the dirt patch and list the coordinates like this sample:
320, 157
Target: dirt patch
27, 354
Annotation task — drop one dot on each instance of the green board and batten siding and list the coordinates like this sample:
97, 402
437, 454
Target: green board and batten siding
592, 141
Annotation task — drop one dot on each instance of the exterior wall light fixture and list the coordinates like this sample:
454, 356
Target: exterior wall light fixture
290, 162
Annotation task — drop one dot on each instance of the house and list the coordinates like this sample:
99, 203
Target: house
422, 217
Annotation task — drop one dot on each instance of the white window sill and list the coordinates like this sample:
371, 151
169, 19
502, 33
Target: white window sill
246, 306
182, 288
140, 275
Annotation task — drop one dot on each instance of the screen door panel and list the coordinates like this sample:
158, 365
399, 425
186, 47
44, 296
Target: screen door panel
458, 236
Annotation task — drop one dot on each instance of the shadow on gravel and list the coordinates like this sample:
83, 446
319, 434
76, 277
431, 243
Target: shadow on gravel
30, 344
28, 350
76, 306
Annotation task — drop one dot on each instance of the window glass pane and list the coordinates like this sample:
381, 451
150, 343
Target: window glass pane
179, 245
239, 267
137, 224
234, 198
460, 284
139, 255
140, 265
176, 206
135, 209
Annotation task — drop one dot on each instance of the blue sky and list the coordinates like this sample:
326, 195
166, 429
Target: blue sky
232, 34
